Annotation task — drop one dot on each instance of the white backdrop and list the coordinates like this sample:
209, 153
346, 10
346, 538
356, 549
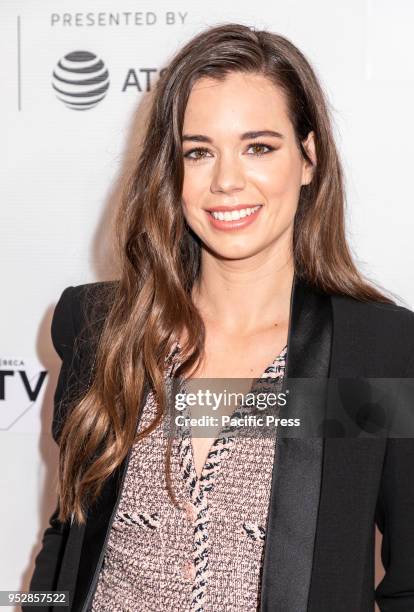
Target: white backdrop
61, 170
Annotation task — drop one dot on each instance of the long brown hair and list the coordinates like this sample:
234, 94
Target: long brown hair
151, 304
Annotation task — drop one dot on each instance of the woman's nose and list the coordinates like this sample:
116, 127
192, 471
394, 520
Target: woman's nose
228, 175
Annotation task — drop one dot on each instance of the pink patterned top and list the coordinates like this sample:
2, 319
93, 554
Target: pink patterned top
207, 555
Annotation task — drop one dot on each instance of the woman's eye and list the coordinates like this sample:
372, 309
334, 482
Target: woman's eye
189, 154
199, 153
261, 145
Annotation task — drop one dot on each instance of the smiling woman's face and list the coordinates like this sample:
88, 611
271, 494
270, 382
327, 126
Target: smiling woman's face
228, 168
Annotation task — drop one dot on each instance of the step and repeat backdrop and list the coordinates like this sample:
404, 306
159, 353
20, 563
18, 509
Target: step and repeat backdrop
62, 169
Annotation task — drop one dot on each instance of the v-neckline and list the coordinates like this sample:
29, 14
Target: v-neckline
222, 444
176, 349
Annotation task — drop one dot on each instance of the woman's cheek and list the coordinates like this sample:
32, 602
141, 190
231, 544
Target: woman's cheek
283, 182
191, 192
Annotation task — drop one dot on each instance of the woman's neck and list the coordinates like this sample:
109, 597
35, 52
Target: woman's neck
244, 299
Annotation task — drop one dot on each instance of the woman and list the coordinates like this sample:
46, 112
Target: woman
235, 265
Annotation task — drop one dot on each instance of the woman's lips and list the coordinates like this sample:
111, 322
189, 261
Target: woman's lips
234, 224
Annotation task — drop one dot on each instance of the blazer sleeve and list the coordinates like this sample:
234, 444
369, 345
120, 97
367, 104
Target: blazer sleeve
395, 520
63, 333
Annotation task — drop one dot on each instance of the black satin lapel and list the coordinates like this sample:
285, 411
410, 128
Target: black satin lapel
296, 478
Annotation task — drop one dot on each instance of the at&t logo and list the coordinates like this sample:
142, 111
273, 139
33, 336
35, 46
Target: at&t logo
80, 80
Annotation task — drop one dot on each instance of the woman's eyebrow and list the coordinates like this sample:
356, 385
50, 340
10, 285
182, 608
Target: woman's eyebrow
244, 136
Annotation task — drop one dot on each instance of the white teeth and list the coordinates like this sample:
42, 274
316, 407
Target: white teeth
234, 215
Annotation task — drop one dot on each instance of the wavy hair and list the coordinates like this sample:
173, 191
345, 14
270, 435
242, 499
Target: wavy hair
151, 303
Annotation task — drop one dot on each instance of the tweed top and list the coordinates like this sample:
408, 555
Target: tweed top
206, 555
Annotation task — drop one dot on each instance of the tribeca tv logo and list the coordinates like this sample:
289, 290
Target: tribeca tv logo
22, 387
80, 80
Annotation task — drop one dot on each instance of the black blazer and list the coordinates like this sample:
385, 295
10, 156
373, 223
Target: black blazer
327, 493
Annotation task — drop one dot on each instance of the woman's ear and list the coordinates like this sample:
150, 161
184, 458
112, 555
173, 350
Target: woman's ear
309, 168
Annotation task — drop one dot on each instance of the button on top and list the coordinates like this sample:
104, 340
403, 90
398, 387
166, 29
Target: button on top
189, 570
191, 511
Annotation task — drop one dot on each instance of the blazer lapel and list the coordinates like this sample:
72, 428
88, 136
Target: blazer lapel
296, 478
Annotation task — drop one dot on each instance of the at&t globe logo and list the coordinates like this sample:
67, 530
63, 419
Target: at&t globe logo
80, 80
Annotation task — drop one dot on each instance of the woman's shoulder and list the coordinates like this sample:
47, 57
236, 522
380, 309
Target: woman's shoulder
94, 296
379, 328
373, 312
80, 311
